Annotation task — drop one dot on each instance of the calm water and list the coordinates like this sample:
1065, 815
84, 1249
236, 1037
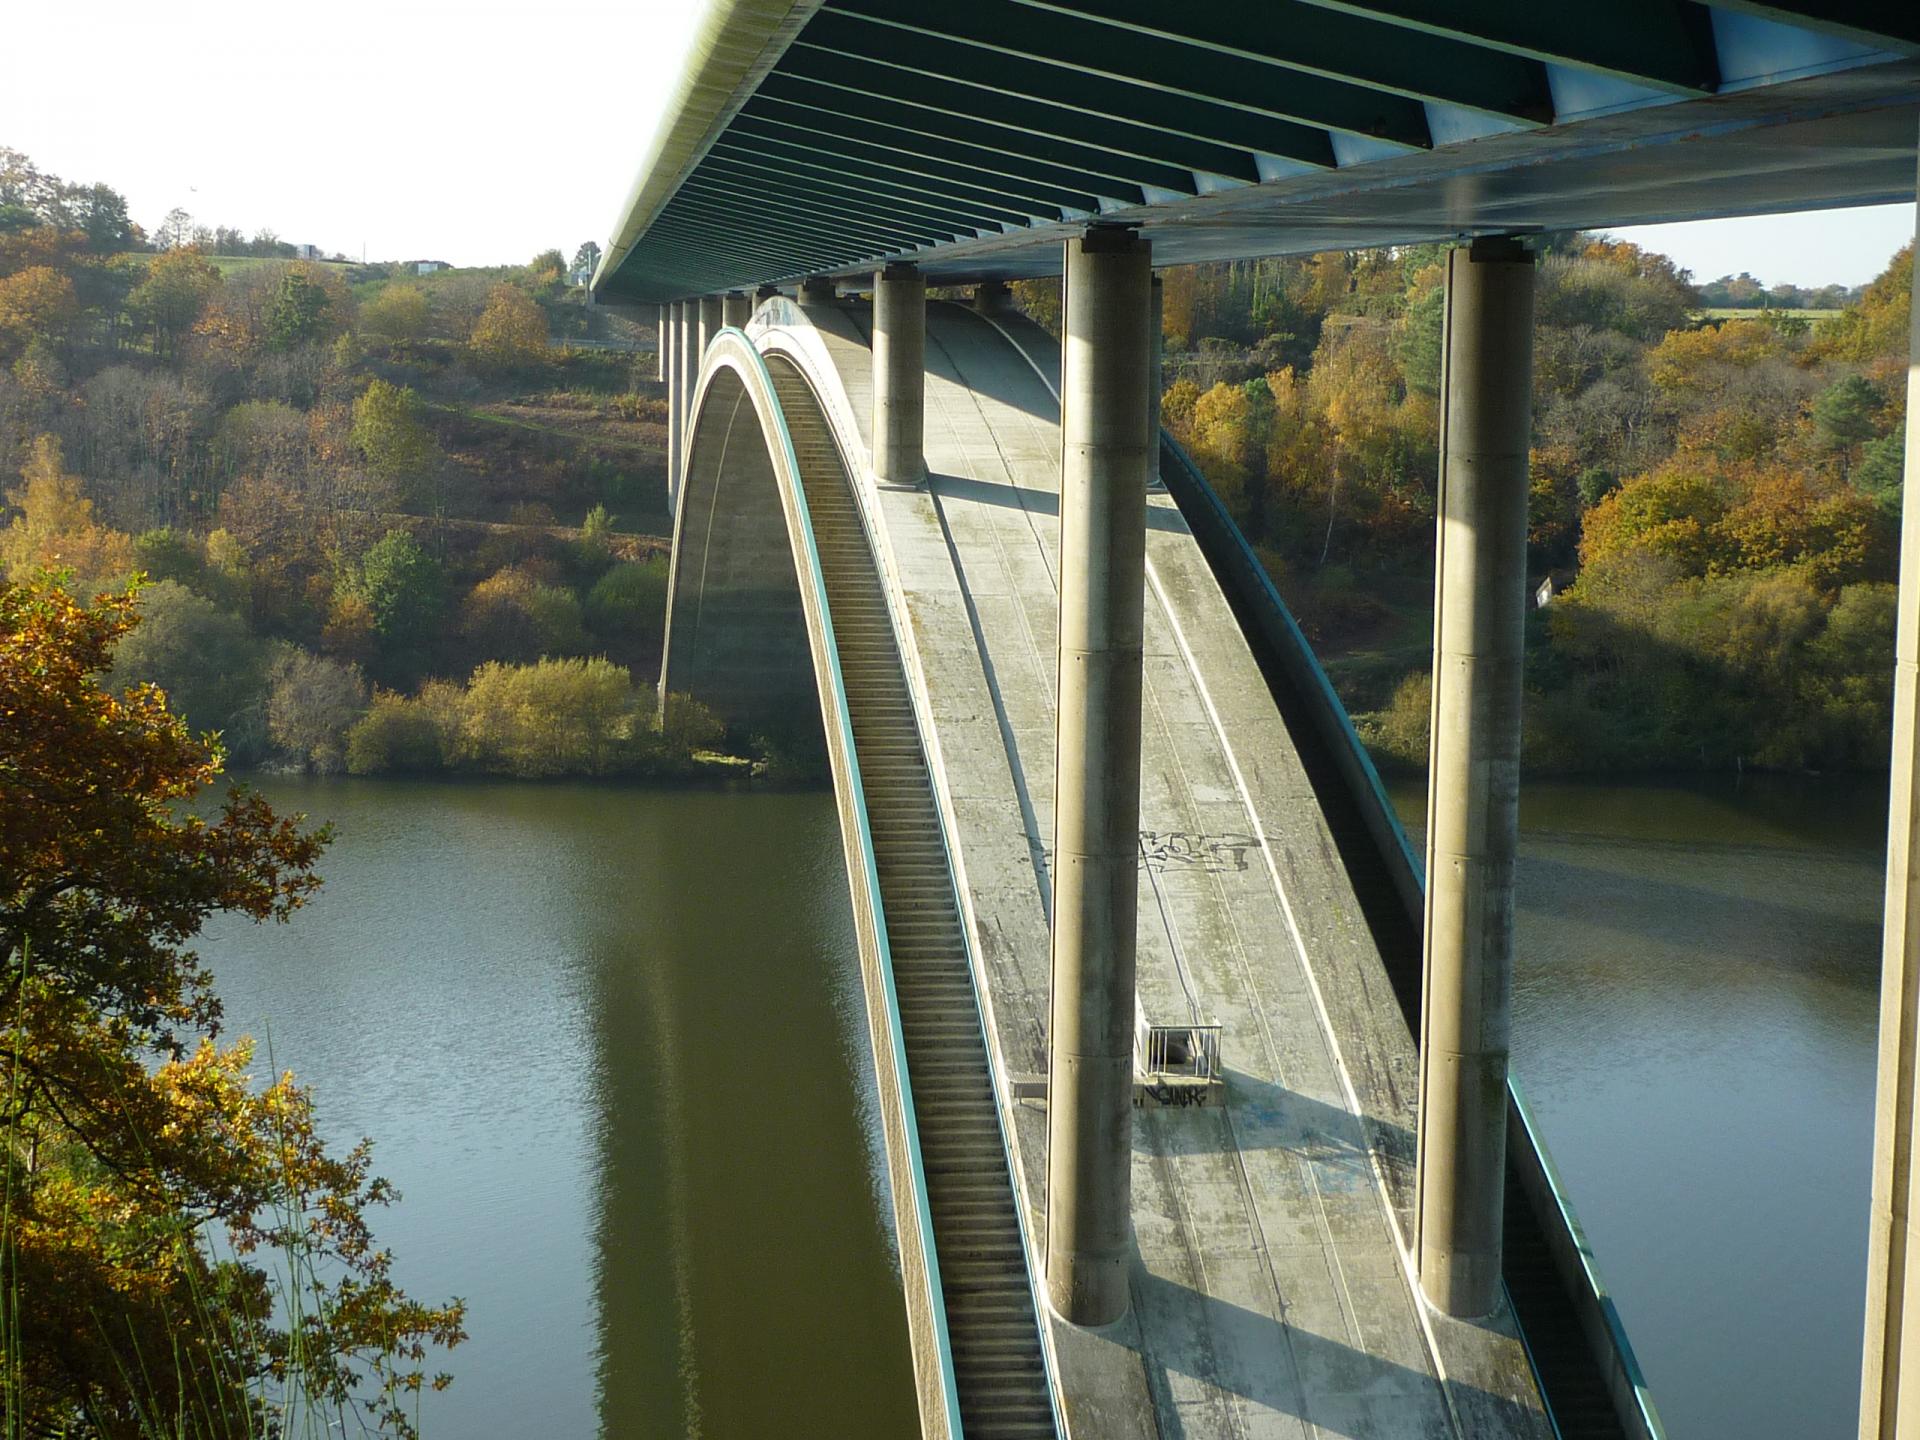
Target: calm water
1697, 991
611, 1047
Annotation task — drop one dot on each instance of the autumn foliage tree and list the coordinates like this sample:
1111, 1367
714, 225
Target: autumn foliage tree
146, 1174
511, 332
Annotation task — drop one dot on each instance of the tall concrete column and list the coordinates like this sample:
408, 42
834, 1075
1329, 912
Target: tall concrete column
899, 374
818, 291
662, 324
1473, 787
711, 319
1890, 1370
1096, 819
736, 309
1156, 381
685, 335
670, 372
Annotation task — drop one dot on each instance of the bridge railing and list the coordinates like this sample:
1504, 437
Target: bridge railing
1191, 1051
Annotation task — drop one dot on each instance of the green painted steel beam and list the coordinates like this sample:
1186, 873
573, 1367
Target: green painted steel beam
1663, 44
691, 238
966, 214
858, 159
1327, 43
794, 161
1883, 24
1010, 168
723, 218
1030, 81
983, 139
751, 180
1081, 47
837, 83
746, 201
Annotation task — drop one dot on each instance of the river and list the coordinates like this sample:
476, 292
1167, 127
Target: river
610, 1046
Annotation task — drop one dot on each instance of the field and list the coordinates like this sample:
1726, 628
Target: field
1756, 312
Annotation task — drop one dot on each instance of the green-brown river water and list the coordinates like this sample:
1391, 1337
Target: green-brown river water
610, 1045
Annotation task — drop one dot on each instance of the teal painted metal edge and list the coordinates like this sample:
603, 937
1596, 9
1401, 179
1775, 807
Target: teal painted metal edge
843, 723
1629, 1362
1374, 798
949, 830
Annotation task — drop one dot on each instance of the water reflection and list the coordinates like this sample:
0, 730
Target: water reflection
1695, 1013
610, 1044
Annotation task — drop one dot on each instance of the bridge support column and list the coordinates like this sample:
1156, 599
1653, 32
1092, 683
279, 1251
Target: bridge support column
1103, 502
684, 368
1473, 789
662, 325
736, 309
899, 374
670, 372
818, 291
990, 297
711, 319
1890, 1370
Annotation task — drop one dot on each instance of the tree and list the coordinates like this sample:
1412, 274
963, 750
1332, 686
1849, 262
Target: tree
176, 289
301, 311
511, 332
397, 314
587, 258
1846, 414
133, 1138
204, 659
312, 702
389, 431
100, 213
629, 602
403, 587
55, 527
35, 304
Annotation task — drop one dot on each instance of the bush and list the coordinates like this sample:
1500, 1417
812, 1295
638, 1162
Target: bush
556, 717
312, 702
399, 734
212, 670
1397, 735
629, 600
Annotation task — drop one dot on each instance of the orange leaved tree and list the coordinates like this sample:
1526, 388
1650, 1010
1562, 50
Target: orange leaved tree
179, 1250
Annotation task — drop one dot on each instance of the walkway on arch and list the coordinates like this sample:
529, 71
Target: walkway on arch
1271, 1293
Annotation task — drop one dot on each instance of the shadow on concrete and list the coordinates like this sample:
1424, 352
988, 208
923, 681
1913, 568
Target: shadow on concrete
962, 338
1036, 502
1288, 1369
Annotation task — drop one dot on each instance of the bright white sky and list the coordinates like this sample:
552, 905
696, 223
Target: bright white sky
483, 131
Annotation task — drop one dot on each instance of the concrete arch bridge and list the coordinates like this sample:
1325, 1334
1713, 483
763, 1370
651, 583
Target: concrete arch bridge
1264, 1251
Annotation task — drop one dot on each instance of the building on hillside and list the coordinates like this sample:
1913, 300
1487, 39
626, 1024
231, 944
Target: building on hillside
306, 252
429, 267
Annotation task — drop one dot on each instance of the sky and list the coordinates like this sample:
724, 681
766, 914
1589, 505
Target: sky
482, 132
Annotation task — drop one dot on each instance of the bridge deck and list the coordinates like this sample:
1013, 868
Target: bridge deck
1271, 1297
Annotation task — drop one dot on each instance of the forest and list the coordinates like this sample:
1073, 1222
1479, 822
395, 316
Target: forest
1715, 498
387, 521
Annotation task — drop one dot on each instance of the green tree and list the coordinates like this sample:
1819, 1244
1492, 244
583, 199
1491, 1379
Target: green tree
555, 717
176, 288
204, 659
405, 590
389, 428
312, 702
300, 312
1846, 414
398, 314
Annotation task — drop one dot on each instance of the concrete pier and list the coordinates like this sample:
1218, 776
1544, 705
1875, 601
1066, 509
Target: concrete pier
686, 367
899, 374
663, 322
736, 308
1473, 790
818, 291
712, 317
1103, 485
1890, 1368
990, 297
670, 372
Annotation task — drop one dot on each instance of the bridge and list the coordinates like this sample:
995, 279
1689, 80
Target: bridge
1193, 1077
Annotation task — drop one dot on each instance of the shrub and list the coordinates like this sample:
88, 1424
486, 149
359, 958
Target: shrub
555, 717
629, 600
312, 702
